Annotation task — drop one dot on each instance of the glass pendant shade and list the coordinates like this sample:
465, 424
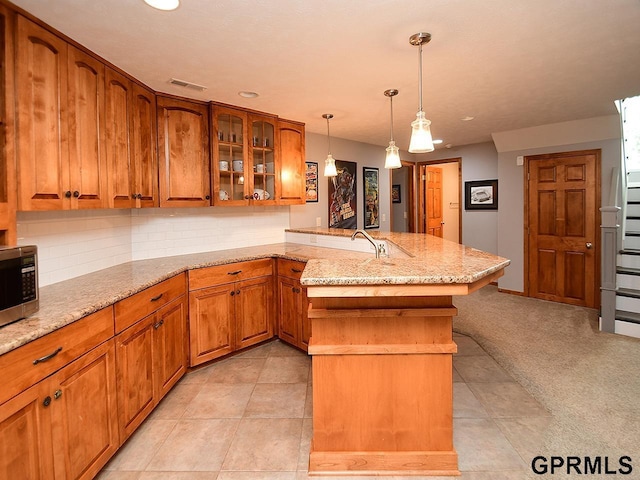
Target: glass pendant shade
421, 141
166, 5
330, 167
393, 156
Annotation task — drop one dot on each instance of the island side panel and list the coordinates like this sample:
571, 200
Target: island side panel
382, 386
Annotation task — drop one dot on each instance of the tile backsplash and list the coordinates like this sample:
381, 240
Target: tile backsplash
73, 243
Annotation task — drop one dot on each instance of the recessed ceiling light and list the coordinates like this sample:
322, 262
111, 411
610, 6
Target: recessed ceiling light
437, 141
163, 4
248, 94
467, 118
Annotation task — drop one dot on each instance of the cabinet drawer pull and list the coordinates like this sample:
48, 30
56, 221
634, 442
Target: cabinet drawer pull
296, 270
157, 297
159, 324
236, 272
47, 357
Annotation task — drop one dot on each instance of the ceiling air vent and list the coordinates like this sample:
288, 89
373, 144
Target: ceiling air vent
185, 84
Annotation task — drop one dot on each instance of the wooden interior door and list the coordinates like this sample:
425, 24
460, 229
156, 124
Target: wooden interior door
563, 254
434, 201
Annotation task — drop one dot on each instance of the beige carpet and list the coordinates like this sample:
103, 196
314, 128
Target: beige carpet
588, 380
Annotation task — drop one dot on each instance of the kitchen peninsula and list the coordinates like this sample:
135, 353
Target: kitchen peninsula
410, 290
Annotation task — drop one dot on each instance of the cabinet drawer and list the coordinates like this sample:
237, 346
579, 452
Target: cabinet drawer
232, 272
290, 268
138, 306
36, 360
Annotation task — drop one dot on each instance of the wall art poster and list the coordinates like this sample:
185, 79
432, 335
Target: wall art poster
396, 194
312, 182
371, 197
342, 196
481, 195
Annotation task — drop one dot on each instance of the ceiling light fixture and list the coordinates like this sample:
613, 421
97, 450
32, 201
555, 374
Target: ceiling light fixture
248, 94
329, 163
467, 118
421, 141
393, 154
165, 5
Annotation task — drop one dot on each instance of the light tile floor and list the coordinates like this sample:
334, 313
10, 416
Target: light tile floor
249, 417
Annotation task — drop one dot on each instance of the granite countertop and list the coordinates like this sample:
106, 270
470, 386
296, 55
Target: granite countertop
423, 259
415, 259
65, 302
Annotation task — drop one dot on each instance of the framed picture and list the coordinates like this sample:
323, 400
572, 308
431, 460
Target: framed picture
342, 196
371, 197
396, 194
311, 192
481, 195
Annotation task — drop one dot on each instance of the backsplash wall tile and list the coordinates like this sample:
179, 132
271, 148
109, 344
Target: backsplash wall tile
73, 243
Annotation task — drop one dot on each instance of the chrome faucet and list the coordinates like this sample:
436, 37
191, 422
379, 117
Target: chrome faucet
371, 240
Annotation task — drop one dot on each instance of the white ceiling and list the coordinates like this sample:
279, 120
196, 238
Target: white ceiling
508, 63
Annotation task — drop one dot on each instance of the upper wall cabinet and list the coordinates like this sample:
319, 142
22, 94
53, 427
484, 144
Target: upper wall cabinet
291, 172
183, 151
130, 143
60, 113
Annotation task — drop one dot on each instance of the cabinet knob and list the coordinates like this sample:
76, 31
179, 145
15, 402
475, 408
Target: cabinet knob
237, 292
232, 293
76, 193
67, 194
208, 197
47, 401
159, 324
57, 394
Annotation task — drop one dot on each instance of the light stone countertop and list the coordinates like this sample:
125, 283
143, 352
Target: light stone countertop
68, 301
430, 260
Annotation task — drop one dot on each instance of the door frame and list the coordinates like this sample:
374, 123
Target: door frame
422, 192
410, 198
546, 156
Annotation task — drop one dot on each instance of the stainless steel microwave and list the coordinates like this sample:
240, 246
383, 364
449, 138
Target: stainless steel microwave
18, 283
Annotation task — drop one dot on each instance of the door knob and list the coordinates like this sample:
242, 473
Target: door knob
589, 245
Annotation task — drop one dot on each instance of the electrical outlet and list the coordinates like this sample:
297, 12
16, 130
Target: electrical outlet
318, 221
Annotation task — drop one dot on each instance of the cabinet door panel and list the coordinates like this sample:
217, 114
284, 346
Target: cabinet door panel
134, 359
87, 166
289, 310
25, 446
41, 99
211, 323
183, 139
84, 414
305, 330
292, 163
170, 339
143, 147
254, 311
118, 98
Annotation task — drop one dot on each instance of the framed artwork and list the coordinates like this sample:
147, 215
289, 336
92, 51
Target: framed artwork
370, 182
311, 191
396, 194
481, 195
342, 196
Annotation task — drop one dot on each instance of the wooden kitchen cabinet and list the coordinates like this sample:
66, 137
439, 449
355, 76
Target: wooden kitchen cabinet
65, 425
60, 123
230, 308
183, 153
263, 153
294, 326
130, 143
291, 163
151, 352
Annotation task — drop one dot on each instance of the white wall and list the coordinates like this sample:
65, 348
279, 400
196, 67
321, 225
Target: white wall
479, 162
74, 243
365, 155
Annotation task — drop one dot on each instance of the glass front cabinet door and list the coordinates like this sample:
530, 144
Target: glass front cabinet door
262, 148
230, 156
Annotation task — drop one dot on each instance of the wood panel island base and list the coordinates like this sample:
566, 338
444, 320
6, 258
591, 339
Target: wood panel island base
382, 379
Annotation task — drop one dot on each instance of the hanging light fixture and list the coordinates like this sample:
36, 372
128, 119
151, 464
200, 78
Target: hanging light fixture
329, 163
393, 152
421, 141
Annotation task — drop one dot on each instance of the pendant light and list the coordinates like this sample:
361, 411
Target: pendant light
329, 163
421, 141
393, 153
